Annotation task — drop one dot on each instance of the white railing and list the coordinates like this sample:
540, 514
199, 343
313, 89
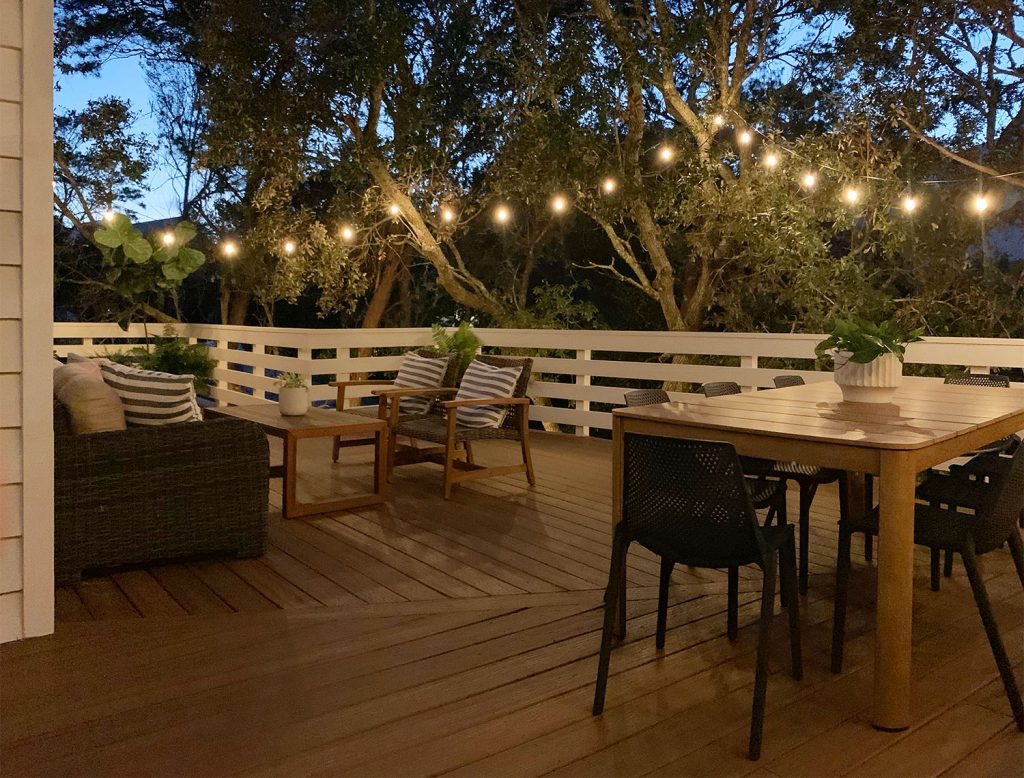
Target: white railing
570, 366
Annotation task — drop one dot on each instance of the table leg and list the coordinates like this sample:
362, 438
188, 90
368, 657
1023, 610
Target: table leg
895, 590
288, 480
381, 451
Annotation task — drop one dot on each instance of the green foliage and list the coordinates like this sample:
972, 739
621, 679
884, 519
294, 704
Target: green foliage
866, 341
463, 342
291, 381
144, 270
172, 354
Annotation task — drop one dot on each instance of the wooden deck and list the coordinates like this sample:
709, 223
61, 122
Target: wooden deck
431, 637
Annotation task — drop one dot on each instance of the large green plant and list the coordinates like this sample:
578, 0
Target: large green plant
143, 270
866, 341
463, 342
172, 354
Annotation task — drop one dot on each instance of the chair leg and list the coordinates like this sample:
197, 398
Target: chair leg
992, 630
807, 492
1017, 552
607, 632
869, 505
449, 465
787, 570
935, 568
469, 451
764, 642
337, 448
947, 569
666, 578
524, 442
839, 608
734, 603
620, 608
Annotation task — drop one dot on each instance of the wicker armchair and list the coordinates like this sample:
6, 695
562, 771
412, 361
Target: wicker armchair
441, 427
154, 493
687, 502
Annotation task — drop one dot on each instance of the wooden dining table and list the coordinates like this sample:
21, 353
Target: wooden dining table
927, 423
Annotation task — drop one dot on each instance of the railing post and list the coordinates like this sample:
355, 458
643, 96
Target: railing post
749, 362
305, 356
582, 380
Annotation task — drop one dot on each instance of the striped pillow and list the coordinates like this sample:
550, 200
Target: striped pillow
419, 373
480, 381
150, 398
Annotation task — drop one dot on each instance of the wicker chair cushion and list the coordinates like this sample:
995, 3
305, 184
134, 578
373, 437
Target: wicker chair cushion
435, 430
480, 382
367, 411
151, 398
420, 372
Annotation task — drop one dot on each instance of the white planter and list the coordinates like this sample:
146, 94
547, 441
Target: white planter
874, 382
293, 401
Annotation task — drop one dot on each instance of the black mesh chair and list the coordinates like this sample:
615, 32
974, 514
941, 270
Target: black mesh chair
992, 485
807, 477
934, 487
638, 397
687, 502
782, 381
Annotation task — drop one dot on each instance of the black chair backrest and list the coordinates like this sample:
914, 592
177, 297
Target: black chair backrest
980, 379
646, 397
998, 516
719, 388
687, 500
782, 381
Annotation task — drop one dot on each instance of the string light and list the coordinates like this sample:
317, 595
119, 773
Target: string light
447, 215
665, 153
289, 247
851, 195
229, 248
168, 238
745, 138
394, 210
502, 214
980, 203
909, 203
771, 160
54, 182
559, 204
347, 233
609, 185
108, 215
718, 120
809, 180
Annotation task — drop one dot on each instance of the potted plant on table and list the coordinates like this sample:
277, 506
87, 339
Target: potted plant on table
292, 394
867, 358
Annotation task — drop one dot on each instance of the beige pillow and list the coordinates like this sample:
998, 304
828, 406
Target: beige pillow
92, 405
65, 372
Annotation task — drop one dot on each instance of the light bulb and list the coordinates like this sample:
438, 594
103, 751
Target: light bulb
447, 215
502, 214
981, 203
229, 248
347, 233
609, 185
665, 153
744, 138
909, 203
718, 120
771, 160
168, 238
54, 182
108, 215
288, 246
851, 195
809, 181
394, 210
559, 204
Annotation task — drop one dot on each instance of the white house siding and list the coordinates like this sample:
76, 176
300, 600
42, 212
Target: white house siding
26, 292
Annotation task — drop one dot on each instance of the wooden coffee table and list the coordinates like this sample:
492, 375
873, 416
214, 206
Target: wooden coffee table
316, 423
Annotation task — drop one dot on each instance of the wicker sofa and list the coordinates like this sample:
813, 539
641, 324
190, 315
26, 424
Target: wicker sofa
154, 493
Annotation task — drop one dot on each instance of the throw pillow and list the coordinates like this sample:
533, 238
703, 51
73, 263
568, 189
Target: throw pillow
79, 359
68, 371
92, 406
419, 372
481, 381
151, 398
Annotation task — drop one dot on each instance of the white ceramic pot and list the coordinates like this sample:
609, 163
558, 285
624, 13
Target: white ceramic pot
874, 382
293, 401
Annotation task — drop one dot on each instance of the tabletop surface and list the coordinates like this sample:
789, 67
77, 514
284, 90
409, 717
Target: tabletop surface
922, 413
268, 416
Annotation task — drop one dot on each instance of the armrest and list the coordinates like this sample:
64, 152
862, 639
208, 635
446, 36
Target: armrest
367, 382
427, 391
449, 404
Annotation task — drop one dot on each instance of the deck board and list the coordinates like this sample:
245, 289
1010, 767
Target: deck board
433, 637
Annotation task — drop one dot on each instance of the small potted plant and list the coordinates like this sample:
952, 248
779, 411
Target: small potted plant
292, 394
867, 358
